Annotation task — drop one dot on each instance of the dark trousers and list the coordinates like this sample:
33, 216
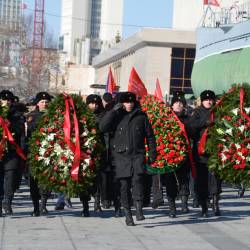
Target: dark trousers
177, 183
135, 183
37, 192
157, 191
8, 179
208, 184
147, 184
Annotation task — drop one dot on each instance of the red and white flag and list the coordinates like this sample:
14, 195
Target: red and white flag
158, 92
212, 2
136, 85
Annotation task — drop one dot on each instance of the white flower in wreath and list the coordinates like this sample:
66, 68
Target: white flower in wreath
44, 143
237, 162
248, 146
241, 128
51, 137
220, 131
87, 142
47, 161
223, 158
247, 110
248, 158
235, 111
42, 151
84, 134
237, 146
58, 149
229, 131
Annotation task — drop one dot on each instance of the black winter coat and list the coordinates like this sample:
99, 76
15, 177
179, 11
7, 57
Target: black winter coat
17, 128
128, 142
199, 121
32, 121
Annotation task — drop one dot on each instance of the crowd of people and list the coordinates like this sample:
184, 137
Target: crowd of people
122, 181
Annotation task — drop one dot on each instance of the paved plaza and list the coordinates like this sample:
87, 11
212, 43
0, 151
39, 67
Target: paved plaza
67, 230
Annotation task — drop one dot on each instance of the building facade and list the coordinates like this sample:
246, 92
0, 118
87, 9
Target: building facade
87, 27
10, 14
155, 53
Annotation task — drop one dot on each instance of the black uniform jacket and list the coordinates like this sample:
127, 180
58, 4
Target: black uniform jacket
199, 121
17, 128
130, 130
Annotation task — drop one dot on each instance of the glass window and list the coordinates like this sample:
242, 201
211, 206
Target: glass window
181, 69
190, 53
178, 52
177, 68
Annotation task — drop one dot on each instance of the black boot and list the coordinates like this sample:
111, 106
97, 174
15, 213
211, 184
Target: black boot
97, 205
118, 211
36, 211
157, 203
128, 215
1, 211
85, 211
43, 209
204, 209
184, 200
216, 208
172, 212
195, 203
139, 212
7, 206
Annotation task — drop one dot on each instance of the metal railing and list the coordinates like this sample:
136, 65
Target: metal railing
227, 16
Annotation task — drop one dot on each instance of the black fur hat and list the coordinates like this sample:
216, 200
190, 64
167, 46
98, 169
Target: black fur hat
178, 93
42, 96
93, 99
127, 97
207, 94
107, 97
178, 99
7, 95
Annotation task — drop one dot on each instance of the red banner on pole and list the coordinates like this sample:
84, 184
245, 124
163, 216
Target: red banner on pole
136, 85
158, 92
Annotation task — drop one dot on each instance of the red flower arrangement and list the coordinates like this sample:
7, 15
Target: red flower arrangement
172, 146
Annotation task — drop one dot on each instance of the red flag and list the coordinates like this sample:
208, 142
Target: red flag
136, 85
211, 2
110, 86
158, 93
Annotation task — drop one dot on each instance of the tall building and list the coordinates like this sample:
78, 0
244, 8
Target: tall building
188, 15
87, 27
10, 14
10, 27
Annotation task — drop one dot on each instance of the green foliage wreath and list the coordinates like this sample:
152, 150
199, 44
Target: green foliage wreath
51, 157
228, 141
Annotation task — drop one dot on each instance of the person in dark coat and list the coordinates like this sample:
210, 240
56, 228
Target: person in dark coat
10, 163
177, 182
94, 103
131, 128
37, 192
110, 184
207, 183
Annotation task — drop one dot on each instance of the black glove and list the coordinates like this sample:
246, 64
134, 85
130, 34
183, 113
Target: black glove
118, 106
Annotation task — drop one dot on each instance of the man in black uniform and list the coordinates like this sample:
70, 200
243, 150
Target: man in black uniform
207, 183
10, 163
178, 182
131, 127
41, 101
94, 103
